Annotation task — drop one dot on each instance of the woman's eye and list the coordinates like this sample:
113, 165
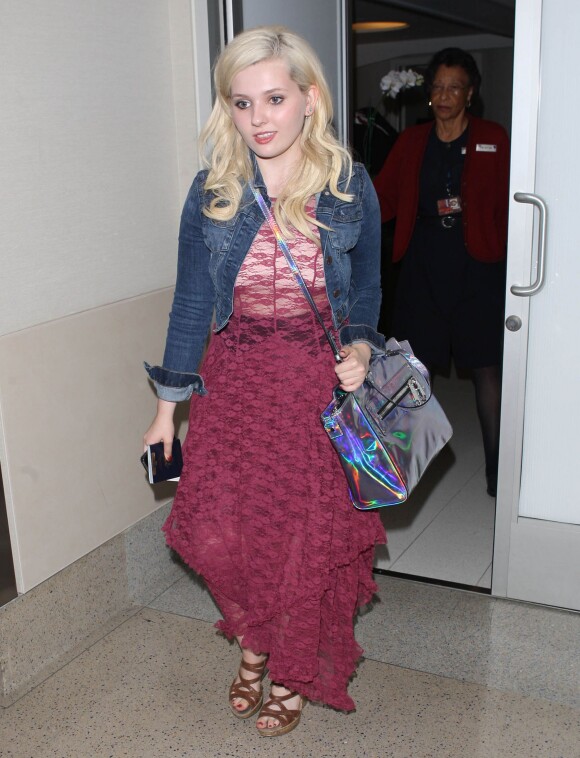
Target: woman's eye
242, 104
276, 99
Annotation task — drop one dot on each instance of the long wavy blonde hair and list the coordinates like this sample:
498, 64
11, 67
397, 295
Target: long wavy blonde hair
228, 158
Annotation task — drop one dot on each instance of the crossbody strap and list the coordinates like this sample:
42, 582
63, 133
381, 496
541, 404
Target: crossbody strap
268, 215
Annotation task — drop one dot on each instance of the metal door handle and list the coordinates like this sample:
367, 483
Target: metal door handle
526, 197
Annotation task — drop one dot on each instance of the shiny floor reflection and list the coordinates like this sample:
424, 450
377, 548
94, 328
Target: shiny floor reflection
447, 674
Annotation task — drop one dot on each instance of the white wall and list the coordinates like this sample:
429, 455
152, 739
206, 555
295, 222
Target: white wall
97, 149
89, 193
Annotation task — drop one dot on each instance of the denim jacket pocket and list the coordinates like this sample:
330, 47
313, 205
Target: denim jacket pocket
345, 226
218, 235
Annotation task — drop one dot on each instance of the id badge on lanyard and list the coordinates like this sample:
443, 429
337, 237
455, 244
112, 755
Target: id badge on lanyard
449, 206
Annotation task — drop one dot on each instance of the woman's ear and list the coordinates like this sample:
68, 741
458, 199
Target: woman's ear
311, 100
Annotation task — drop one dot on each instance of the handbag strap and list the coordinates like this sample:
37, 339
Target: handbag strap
416, 363
268, 215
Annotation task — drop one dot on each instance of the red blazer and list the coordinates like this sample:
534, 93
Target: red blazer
484, 188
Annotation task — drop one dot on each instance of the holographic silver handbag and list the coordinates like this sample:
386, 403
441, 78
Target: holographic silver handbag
388, 431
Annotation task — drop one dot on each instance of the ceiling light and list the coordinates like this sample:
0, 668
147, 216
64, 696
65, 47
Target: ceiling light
379, 26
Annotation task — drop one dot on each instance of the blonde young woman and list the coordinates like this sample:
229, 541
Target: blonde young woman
262, 511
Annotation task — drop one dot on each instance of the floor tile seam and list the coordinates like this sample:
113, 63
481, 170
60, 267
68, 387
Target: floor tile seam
437, 515
81, 648
484, 597
519, 603
474, 682
163, 591
434, 584
465, 485
180, 615
429, 524
484, 573
437, 584
473, 476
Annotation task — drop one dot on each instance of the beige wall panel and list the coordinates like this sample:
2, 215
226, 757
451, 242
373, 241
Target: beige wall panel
187, 88
97, 131
75, 402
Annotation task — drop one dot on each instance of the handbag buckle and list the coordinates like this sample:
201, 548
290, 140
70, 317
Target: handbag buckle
417, 392
332, 428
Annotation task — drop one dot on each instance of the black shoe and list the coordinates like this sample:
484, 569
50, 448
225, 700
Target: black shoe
492, 487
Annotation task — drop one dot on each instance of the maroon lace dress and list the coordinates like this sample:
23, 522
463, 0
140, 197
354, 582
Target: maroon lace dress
262, 510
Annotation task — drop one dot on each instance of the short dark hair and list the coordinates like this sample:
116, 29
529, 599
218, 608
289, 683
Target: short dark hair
454, 56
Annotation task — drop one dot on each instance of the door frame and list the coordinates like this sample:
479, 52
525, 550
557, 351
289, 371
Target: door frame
520, 232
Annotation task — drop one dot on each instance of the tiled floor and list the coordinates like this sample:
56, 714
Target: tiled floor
445, 531
447, 674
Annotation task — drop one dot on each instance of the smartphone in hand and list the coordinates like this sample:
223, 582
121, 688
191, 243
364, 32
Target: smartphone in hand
158, 468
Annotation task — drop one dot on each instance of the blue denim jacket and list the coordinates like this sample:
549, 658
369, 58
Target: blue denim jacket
212, 252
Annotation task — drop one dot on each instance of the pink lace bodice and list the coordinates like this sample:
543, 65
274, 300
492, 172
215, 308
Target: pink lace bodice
265, 286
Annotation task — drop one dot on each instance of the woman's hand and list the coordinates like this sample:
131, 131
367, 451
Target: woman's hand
162, 429
354, 367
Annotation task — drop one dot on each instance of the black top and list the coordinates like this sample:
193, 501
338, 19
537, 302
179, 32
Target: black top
441, 172
448, 303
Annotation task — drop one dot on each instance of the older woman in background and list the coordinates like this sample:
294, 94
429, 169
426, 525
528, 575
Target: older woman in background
446, 182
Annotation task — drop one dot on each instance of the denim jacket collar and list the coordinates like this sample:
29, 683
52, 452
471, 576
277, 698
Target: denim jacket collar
259, 183
258, 179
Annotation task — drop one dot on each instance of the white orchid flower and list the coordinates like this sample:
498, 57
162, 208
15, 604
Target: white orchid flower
397, 81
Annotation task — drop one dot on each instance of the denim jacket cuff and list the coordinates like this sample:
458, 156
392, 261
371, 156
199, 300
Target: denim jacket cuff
362, 333
174, 386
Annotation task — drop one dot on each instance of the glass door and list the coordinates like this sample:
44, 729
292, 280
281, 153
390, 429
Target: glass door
537, 545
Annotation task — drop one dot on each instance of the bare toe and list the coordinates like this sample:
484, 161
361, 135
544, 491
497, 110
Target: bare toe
281, 712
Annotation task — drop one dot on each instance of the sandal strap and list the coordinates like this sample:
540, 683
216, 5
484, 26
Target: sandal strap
255, 668
282, 714
284, 717
243, 688
280, 699
250, 695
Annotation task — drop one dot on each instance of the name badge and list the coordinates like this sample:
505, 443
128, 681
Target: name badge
480, 148
449, 205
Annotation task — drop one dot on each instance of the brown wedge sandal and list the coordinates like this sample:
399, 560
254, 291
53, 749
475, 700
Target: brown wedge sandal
288, 719
244, 690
